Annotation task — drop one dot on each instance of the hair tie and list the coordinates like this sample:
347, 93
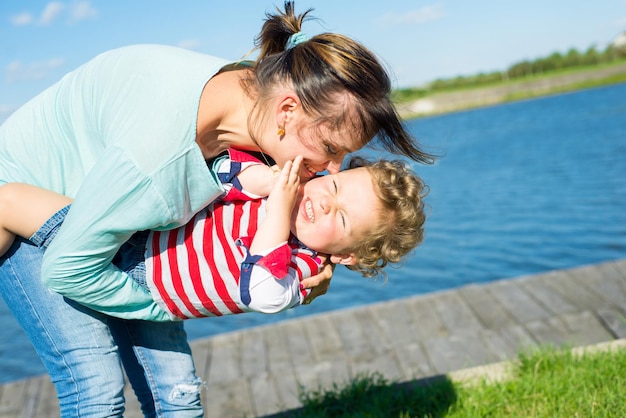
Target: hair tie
296, 39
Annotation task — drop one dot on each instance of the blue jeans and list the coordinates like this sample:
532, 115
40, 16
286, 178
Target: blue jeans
83, 350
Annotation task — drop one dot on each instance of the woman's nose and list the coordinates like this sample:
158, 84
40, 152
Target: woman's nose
333, 167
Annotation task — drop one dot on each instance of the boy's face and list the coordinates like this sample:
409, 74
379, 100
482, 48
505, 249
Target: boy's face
332, 212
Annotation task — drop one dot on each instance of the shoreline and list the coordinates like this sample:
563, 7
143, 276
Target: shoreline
453, 101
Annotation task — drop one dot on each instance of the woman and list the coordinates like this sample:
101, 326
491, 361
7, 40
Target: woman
131, 136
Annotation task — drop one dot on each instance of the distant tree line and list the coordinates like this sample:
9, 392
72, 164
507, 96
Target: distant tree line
555, 62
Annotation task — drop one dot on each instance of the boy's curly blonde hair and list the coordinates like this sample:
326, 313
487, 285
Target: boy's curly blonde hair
399, 224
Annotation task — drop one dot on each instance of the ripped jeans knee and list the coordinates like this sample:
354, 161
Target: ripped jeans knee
167, 367
181, 400
186, 390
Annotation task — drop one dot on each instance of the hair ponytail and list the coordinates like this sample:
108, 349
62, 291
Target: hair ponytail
277, 29
340, 83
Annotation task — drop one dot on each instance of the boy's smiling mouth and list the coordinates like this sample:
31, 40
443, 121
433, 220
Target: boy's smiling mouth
308, 210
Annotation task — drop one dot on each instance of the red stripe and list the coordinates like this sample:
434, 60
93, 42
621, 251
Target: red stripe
253, 223
194, 270
299, 276
299, 273
172, 256
314, 268
236, 220
158, 277
196, 278
209, 253
234, 266
305, 256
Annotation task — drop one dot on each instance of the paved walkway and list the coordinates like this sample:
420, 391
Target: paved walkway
404, 339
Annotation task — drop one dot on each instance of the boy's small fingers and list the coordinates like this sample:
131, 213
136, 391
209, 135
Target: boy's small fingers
297, 162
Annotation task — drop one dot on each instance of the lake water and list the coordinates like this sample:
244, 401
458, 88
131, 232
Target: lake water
523, 188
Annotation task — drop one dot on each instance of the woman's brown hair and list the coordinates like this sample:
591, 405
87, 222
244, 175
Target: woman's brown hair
340, 83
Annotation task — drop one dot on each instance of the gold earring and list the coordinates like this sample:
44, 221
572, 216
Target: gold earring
281, 130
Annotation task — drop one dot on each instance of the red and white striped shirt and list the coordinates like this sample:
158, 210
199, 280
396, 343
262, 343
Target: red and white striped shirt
204, 268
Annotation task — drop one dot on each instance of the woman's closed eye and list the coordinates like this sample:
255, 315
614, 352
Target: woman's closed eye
330, 149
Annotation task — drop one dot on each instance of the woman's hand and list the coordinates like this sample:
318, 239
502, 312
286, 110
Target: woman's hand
319, 283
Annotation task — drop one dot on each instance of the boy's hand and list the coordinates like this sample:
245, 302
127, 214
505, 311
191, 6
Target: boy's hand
283, 195
275, 228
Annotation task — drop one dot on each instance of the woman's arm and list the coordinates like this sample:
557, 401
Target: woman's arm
24, 209
116, 199
320, 283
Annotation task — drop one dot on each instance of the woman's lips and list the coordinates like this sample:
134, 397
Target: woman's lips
308, 170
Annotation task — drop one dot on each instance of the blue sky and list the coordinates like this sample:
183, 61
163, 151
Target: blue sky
418, 40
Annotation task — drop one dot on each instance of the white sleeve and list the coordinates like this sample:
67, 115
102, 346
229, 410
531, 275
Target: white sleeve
271, 295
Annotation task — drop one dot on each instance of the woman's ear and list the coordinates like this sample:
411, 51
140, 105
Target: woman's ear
287, 104
345, 259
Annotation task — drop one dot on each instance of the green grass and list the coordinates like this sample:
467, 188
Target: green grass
614, 79
546, 383
552, 383
405, 96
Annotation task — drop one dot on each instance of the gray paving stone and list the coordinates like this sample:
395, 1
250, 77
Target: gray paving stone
260, 371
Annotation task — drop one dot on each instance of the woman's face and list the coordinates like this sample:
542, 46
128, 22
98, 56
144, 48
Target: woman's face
320, 150
320, 147
332, 212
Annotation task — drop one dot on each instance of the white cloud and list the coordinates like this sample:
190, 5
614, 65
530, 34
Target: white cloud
51, 12
18, 71
413, 17
82, 10
189, 44
55, 11
22, 19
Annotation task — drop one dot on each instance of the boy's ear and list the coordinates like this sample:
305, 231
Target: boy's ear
345, 259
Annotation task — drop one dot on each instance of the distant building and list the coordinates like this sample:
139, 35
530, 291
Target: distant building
620, 41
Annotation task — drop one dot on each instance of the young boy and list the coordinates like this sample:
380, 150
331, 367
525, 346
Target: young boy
246, 252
